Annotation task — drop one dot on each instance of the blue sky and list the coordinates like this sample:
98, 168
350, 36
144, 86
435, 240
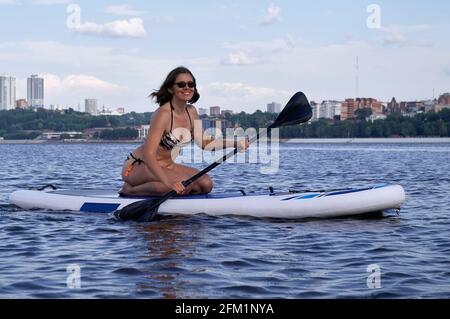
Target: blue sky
244, 54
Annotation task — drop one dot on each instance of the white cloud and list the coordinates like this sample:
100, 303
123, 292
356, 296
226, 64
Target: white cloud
273, 15
51, 2
133, 28
400, 35
123, 10
72, 89
251, 53
77, 81
240, 96
240, 89
8, 2
240, 58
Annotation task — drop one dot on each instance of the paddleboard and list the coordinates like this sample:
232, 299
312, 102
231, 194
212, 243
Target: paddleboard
289, 205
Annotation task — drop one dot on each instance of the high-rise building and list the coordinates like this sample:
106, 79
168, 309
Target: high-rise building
7, 93
91, 106
35, 92
274, 107
214, 111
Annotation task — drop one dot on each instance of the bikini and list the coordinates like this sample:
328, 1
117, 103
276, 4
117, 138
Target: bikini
168, 142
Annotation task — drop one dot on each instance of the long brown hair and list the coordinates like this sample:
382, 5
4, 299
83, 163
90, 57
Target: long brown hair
163, 95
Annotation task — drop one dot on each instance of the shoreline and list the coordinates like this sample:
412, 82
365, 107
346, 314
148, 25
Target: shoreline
396, 140
369, 140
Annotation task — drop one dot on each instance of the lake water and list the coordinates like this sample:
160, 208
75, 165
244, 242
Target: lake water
230, 257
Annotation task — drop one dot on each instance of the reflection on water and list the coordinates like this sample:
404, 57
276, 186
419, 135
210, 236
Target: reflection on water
170, 241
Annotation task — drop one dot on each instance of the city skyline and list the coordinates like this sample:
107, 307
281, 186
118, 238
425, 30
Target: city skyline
330, 107
244, 55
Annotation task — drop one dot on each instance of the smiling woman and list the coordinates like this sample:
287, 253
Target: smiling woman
151, 169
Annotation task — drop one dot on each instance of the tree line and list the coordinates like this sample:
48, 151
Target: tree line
429, 124
28, 124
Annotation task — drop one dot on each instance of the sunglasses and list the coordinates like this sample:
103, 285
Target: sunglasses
183, 84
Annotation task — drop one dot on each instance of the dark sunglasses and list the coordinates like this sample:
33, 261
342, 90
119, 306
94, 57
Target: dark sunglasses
183, 84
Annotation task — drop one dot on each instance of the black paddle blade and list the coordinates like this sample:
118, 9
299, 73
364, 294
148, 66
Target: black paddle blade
140, 211
297, 110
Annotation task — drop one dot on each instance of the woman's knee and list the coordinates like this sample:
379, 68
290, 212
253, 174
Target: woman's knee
206, 184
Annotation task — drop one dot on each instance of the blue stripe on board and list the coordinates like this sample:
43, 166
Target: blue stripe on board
307, 196
99, 207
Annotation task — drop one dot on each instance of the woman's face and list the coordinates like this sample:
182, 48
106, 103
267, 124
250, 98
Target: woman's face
184, 87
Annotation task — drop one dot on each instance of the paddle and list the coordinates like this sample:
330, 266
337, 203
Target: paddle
296, 111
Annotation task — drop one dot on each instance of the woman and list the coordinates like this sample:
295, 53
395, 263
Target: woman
151, 169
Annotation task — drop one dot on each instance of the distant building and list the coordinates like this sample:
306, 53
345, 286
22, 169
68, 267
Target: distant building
214, 111
120, 110
325, 110
411, 107
143, 131
430, 105
375, 117
58, 135
393, 107
35, 92
7, 92
210, 124
21, 104
315, 111
328, 109
202, 111
226, 112
350, 106
91, 106
111, 112
274, 107
348, 109
444, 99
438, 107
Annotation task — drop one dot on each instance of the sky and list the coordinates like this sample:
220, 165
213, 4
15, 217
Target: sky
244, 54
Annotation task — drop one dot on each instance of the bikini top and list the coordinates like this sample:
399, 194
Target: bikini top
168, 140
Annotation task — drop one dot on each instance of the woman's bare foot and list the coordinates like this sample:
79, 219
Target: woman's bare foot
126, 189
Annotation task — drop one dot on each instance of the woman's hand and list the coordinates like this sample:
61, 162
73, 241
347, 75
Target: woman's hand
178, 187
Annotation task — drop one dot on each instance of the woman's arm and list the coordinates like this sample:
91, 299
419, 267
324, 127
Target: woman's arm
213, 144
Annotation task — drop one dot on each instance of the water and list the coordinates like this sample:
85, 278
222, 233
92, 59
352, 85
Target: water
230, 257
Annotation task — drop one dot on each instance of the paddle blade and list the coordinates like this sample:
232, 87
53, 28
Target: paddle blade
141, 211
297, 110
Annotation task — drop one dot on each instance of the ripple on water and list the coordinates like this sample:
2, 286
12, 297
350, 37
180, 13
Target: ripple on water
128, 271
231, 257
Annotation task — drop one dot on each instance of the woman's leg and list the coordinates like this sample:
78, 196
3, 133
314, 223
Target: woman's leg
141, 182
203, 185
